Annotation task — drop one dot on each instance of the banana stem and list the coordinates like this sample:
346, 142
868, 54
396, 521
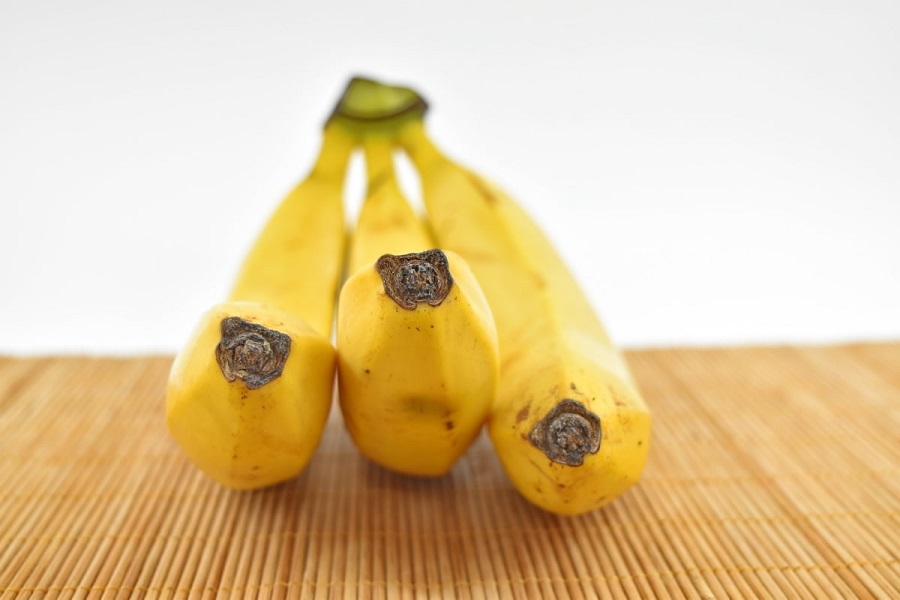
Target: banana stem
334, 154
415, 141
387, 222
378, 151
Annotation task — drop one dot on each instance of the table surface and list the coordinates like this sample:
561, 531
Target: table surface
773, 473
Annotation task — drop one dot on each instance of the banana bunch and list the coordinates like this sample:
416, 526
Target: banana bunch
473, 319
568, 424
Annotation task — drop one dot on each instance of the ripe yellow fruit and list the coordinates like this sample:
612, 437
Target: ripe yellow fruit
568, 424
417, 346
249, 394
417, 360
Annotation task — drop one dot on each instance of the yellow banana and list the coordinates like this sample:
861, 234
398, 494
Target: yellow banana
417, 346
249, 394
568, 424
296, 261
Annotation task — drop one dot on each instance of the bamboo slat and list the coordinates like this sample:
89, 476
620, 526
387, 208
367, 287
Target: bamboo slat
773, 474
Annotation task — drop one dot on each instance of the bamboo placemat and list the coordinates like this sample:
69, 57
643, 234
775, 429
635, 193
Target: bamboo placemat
773, 474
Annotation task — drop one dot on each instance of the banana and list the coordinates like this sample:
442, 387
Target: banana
417, 345
386, 222
249, 394
296, 260
569, 424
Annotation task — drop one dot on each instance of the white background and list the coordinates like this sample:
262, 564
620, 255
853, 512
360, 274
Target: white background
714, 172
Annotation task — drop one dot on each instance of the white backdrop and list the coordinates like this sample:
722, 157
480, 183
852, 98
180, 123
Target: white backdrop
713, 175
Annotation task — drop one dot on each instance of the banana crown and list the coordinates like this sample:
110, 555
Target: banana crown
473, 318
368, 106
568, 423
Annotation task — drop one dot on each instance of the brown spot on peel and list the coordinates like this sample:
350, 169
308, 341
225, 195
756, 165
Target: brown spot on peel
250, 352
523, 413
567, 433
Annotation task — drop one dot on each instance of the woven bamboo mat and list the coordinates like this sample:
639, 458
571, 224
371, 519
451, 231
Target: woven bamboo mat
773, 474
